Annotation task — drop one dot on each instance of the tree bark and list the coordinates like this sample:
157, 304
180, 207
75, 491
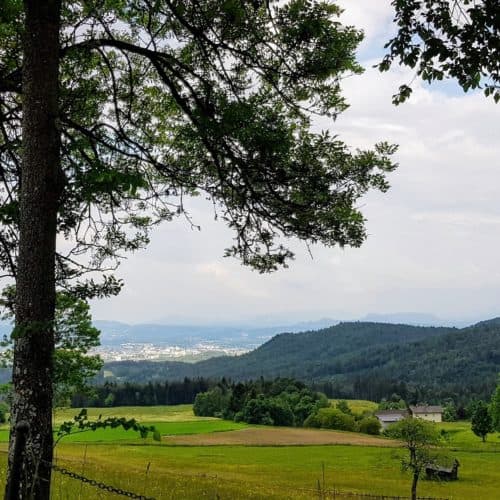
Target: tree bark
39, 195
414, 486
414, 467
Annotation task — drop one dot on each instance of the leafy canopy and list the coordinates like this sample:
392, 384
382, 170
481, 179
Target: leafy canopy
81, 423
416, 434
74, 337
161, 101
458, 39
282, 401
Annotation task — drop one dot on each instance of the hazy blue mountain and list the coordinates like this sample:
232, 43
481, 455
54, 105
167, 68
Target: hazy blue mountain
405, 318
416, 319
243, 335
115, 333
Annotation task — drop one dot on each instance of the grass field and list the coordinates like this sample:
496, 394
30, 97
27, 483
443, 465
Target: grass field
146, 414
168, 420
172, 471
280, 436
358, 405
461, 437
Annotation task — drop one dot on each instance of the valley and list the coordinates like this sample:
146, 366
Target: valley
198, 458
352, 360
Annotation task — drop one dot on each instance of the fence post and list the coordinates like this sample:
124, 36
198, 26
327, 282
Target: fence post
22, 429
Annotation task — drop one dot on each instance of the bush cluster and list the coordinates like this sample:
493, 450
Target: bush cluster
284, 402
341, 420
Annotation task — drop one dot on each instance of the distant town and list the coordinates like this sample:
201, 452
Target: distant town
131, 351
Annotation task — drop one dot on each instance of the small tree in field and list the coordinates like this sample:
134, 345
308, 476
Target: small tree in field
418, 437
481, 421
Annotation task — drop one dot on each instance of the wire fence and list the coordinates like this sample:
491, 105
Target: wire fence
15, 484
98, 484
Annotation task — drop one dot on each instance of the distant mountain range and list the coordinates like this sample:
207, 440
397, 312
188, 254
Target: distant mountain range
115, 333
361, 359
443, 358
247, 334
412, 318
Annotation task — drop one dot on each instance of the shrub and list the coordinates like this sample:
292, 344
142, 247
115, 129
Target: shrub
280, 412
266, 411
303, 408
343, 407
110, 399
211, 403
256, 411
312, 421
370, 425
280, 402
331, 418
449, 412
394, 403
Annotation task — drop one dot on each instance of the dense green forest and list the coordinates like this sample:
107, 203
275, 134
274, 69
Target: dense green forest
135, 394
281, 401
356, 360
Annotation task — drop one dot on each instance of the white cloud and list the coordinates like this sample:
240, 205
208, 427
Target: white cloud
464, 219
433, 238
373, 17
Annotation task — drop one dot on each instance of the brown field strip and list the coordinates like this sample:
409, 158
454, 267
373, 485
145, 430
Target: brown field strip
279, 436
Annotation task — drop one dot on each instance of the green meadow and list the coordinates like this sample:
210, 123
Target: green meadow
165, 429
460, 437
168, 420
146, 414
166, 471
358, 405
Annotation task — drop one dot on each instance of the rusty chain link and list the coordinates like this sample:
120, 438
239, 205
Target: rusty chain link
98, 484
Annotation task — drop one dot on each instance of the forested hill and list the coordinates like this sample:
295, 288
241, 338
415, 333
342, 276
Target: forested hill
356, 357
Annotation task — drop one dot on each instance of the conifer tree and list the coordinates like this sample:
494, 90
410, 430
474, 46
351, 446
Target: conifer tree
115, 112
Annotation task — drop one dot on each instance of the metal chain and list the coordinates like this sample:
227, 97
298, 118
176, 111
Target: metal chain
98, 484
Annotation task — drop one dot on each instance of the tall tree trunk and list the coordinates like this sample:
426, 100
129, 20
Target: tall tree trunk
35, 281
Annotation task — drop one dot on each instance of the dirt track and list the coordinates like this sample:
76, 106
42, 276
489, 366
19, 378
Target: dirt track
279, 436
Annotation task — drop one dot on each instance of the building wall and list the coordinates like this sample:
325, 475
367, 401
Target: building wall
387, 423
431, 417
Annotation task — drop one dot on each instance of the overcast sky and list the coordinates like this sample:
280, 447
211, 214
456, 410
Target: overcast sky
433, 242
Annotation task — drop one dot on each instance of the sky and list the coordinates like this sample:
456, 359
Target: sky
433, 239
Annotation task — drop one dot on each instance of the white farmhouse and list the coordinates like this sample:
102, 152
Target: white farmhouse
430, 413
